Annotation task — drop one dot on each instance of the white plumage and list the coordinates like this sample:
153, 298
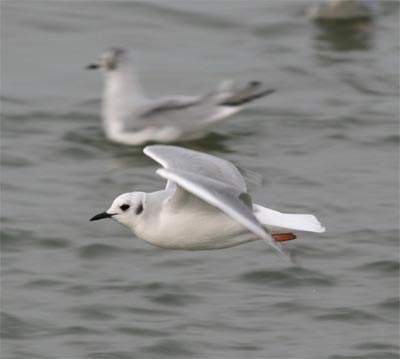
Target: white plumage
205, 205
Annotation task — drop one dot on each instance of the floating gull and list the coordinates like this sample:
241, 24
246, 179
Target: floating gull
205, 205
129, 117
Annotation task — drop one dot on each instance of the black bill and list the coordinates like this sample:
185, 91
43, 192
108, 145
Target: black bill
92, 67
100, 216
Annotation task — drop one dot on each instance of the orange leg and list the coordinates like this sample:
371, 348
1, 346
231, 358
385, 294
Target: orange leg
283, 237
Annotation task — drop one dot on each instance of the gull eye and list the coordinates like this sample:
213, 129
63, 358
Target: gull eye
139, 209
124, 207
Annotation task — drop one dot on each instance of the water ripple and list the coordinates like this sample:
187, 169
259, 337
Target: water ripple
194, 18
376, 346
42, 283
110, 354
374, 354
142, 332
173, 299
15, 239
143, 311
170, 348
293, 307
293, 277
95, 312
77, 330
14, 327
349, 315
392, 304
98, 250
382, 267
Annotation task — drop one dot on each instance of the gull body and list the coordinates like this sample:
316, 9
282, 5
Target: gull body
205, 205
197, 226
130, 117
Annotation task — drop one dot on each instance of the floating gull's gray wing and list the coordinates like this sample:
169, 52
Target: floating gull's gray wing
189, 114
168, 104
211, 179
232, 95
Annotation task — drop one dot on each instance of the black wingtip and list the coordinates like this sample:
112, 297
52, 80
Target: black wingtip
240, 100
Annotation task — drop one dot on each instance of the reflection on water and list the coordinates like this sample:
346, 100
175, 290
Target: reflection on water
344, 35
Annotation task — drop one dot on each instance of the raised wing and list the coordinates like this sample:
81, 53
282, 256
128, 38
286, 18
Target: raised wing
211, 179
216, 193
208, 166
220, 195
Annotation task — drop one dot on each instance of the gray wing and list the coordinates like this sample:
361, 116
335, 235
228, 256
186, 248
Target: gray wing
178, 158
168, 104
191, 113
185, 113
231, 94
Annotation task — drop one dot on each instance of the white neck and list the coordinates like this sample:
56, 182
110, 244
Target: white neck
122, 94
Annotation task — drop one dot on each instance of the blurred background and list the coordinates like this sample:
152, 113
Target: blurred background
325, 143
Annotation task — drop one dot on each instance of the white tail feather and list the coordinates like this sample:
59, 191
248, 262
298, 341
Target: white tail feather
276, 221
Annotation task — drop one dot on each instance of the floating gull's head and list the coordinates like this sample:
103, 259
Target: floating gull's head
126, 209
110, 59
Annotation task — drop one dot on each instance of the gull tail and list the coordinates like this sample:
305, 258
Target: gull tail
237, 96
277, 222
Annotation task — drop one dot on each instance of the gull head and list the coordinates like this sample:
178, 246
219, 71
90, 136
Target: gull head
126, 209
111, 59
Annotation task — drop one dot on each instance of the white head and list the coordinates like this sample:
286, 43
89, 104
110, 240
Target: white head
126, 209
122, 86
112, 59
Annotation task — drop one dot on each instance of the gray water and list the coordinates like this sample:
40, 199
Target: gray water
326, 142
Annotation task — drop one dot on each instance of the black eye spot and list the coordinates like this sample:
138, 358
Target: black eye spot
124, 207
111, 64
139, 209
